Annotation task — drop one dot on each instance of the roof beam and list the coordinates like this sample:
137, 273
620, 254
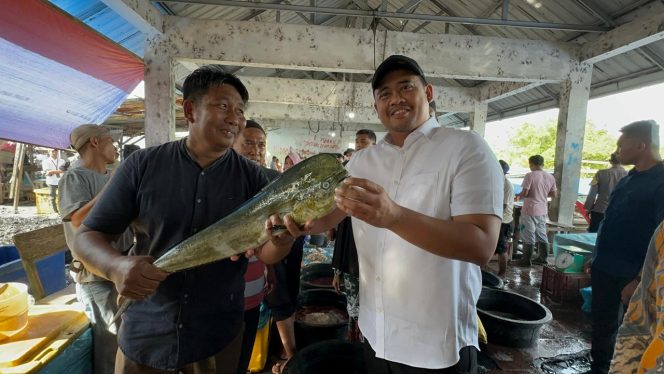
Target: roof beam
316, 48
494, 91
316, 126
400, 15
140, 13
347, 95
629, 36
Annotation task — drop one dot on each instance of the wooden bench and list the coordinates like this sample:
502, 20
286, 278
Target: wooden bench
35, 245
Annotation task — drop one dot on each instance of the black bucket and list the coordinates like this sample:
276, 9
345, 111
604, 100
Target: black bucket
328, 357
511, 319
317, 276
492, 281
320, 315
318, 240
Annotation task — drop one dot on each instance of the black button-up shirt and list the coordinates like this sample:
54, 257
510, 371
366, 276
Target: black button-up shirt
636, 207
166, 197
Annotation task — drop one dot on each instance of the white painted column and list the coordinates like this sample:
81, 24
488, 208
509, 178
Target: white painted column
478, 117
574, 94
159, 92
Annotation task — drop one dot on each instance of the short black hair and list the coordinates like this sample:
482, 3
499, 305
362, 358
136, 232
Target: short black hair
200, 80
369, 133
348, 151
644, 131
251, 124
614, 159
505, 166
536, 160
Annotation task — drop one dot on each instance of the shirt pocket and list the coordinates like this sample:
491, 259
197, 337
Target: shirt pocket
420, 193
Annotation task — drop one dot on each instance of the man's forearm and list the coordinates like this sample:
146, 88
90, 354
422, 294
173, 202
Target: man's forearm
456, 239
271, 254
327, 222
94, 250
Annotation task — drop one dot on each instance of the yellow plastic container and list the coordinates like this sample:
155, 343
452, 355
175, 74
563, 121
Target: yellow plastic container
13, 310
43, 200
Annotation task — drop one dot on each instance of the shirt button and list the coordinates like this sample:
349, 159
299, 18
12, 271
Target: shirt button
186, 296
377, 279
396, 182
198, 201
180, 326
202, 173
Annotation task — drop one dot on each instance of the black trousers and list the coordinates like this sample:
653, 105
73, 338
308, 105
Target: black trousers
607, 314
467, 364
595, 219
250, 327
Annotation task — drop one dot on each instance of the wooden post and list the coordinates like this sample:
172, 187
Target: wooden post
18, 177
12, 181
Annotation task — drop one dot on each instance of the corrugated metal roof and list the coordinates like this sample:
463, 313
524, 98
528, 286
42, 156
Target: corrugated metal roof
629, 70
97, 15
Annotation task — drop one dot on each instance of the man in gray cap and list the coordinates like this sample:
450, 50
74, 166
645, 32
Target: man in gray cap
422, 229
80, 188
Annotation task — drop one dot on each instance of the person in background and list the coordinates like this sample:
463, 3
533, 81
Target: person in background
291, 159
537, 186
251, 143
276, 164
506, 224
636, 207
190, 320
344, 257
348, 153
364, 138
259, 279
53, 168
600, 189
80, 188
422, 229
283, 299
640, 340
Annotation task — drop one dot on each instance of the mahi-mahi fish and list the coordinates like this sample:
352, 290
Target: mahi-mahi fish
305, 192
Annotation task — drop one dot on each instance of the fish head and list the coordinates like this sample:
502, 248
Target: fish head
315, 180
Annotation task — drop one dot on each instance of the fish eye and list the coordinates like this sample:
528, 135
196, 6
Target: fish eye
326, 185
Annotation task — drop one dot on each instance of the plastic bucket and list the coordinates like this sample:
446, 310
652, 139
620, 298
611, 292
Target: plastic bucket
328, 357
317, 276
14, 303
320, 315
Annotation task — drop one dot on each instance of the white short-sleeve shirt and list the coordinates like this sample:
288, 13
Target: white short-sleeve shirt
51, 164
417, 308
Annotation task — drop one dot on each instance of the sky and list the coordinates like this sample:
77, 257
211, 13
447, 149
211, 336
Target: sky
608, 112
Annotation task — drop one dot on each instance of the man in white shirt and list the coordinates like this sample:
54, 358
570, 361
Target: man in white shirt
506, 224
426, 203
53, 168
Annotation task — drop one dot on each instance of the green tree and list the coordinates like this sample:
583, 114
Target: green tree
531, 139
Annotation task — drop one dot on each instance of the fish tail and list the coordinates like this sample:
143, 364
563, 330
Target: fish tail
124, 304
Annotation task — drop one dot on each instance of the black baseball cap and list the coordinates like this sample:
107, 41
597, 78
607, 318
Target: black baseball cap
392, 63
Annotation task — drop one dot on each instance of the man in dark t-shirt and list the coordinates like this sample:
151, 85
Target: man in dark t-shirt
190, 320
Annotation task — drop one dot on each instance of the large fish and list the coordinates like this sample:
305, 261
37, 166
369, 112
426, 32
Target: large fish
305, 191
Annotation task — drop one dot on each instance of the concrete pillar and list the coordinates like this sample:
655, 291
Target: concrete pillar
159, 93
574, 93
477, 120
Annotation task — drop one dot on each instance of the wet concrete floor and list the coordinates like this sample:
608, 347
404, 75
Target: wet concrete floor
568, 332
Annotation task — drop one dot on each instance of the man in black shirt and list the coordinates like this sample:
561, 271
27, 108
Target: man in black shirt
188, 320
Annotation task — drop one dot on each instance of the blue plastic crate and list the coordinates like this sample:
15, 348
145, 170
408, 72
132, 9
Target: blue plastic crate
51, 269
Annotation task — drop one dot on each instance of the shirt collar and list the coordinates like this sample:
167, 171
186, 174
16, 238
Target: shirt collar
658, 167
425, 130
